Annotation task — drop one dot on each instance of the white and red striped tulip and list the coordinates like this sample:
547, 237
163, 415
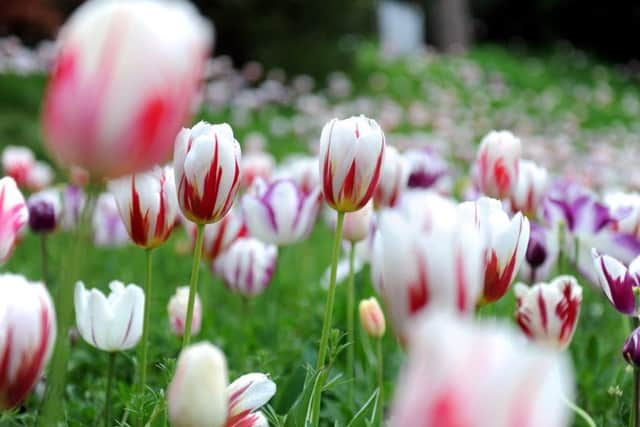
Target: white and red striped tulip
255, 163
147, 204
357, 224
219, 235
17, 163
177, 310
279, 212
122, 85
110, 323
27, 335
460, 373
530, 188
351, 153
548, 312
247, 266
507, 241
497, 163
13, 216
617, 281
246, 395
394, 176
108, 228
206, 162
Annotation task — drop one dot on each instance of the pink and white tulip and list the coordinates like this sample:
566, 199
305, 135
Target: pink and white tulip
498, 163
247, 266
548, 312
372, 318
177, 310
218, 236
357, 224
17, 163
27, 335
530, 188
394, 175
207, 171
122, 85
351, 153
617, 281
13, 216
246, 395
40, 176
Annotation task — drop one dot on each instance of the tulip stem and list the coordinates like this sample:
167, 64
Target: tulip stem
380, 370
144, 348
350, 335
44, 254
193, 287
110, 374
634, 419
580, 412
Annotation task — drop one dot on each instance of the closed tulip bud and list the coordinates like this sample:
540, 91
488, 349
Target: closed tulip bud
147, 204
372, 318
112, 323
246, 395
13, 216
45, 209
497, 162
247, 266
197, 395
207, 170
219, 235
530, 188
178, 312
17, 163
108, 228
27, 335
617, 281
351, 153
122, 85
541, 255
279, 212
393, 178
548, 312
631, 349
357, 224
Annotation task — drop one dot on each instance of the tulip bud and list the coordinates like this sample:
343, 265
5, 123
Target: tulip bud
357, 224
206, 161
497, 162
247, 266
13, 216
393, 178
246, 395
617, 281
529, 189
17, 163
197, 395
631, 349
177, 309
44, 211
27, 335
426, 170
351, 153
372, 318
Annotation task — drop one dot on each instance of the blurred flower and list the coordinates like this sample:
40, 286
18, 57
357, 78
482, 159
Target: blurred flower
303, 170
45, 209
39, 177
207, 171
372, 317
108, 227
122, 85
112, 323
530, 188
73, 200
177, 309
351, 153
255, 162
13, 216
27, 331
426, 169
247, 266
497, 162
541, 255
617, 281
279, 212
246, 395
631, 349
147, 204
459, 373
219, 235
625, 207
548, 312
357, 224
197, 395
17, 163
393, 178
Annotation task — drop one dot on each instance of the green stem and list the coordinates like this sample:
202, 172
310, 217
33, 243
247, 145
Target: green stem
110, 374
580, 412
634, 419
560, 261
44, 254
351, 341
193, 287
380, 381
144, 348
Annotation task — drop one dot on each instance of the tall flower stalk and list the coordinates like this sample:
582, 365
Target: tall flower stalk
144, 348
351, 295
193, 285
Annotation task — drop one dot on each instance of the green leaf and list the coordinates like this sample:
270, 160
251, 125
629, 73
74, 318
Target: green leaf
369, 407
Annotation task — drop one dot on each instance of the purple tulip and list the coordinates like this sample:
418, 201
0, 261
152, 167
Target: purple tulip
541, 255
617, 281
631, 349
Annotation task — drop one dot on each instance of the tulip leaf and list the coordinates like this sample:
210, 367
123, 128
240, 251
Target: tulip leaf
369, 407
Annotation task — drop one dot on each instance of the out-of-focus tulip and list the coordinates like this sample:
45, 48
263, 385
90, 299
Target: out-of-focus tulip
497, 162
357, 224
542, 254
529, 189
617, 281
247, 266
416, 267
17, 163
255, 163
631, 349
459, 373
393, 178
246, 395
177, 309
108, 227
40, 176
279, 212
426, 170
27, 335
219, 235
372, 318
122, 85
207, 170
197, 395
73, 199
45, 209
303, 170
13, 216
626, 208
351, 153
112, 323
426, 208
147, 204
507, 241
548, 312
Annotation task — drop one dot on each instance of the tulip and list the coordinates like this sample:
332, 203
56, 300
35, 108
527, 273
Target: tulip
372, 318
548, 312
246, 395
530, 188
393, 178
108, 227
351, 153
197, 394
507, 241
626, 208
617, 281
147, 204
541, 255
177, 309
255, 163
303, 170
13, 216
45, 209
219, 235
73, 200
207, 171
247, 266
17, 163
27, 335
497, 162
40, 176
426, 170
459, 373
357, 224
112, 323
122, 85
631, 349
